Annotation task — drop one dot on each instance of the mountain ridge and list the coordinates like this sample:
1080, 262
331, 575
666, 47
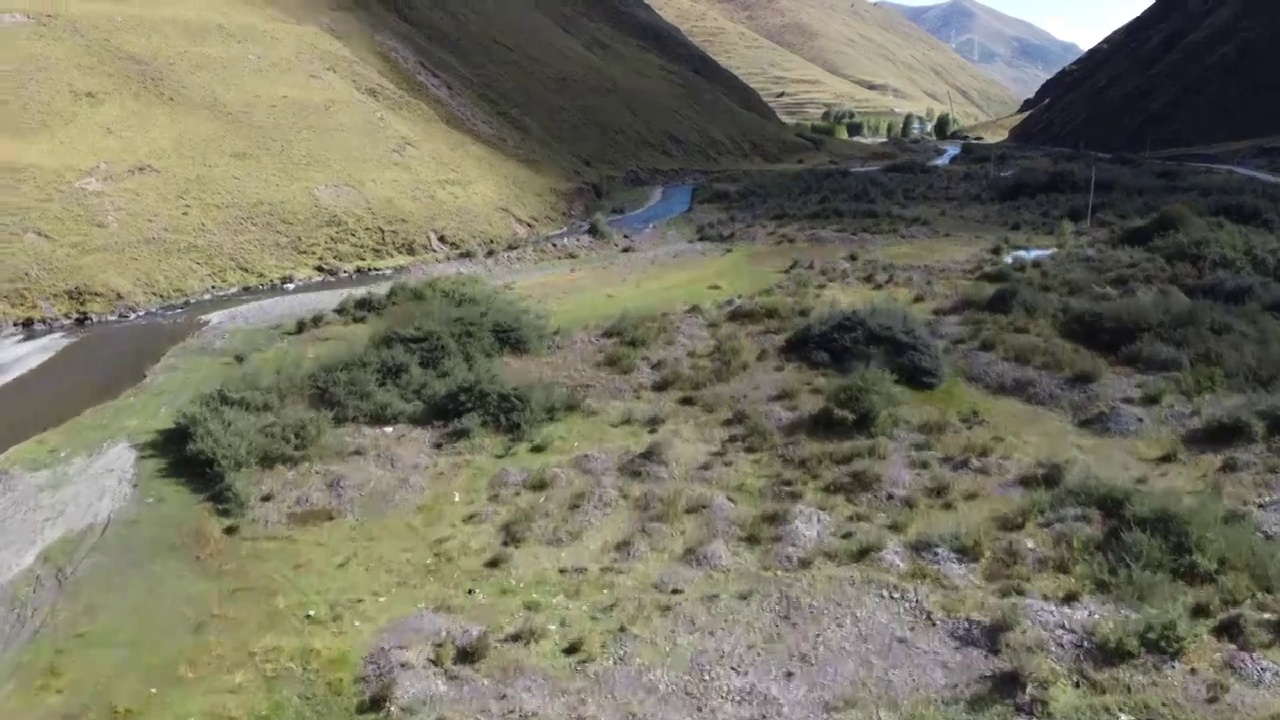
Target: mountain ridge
1016, 52
804, 55
1184, 73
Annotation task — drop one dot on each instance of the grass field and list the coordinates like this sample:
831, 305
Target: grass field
162, 149
805, 55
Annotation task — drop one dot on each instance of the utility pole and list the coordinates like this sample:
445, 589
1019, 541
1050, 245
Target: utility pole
1093, 179
951, 105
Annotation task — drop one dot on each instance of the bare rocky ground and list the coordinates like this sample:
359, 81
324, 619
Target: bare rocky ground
786, 648
72, 503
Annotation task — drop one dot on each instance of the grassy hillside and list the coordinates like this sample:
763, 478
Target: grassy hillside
803, 55
165, 148
1179, 75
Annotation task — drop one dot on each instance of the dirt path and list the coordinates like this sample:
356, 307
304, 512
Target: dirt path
513, 266
39, 509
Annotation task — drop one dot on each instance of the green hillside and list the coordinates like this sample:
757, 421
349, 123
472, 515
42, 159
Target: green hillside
165, 148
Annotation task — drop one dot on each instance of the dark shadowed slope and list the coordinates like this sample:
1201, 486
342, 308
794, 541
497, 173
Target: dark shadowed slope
1185, 73
1015, 52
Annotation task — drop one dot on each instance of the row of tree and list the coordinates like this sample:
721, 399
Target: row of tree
844, 123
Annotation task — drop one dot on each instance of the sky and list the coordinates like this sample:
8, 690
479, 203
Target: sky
1083, 22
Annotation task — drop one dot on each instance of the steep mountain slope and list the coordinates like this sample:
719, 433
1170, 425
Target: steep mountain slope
803, 55
164, 148
1015, 52
1185, 73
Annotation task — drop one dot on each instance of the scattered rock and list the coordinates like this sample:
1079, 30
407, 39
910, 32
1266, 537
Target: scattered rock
404, 668
1069, 628
1116, 421
949, 563
805, 530
593, 464
714, 555
507, 481
1254, 669
1269, 518
675, 581
721, 517
652, 464
974, 633
893, 558
1067, 516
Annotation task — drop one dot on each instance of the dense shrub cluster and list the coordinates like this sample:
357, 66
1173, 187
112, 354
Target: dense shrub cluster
1037, 196
432, 359
864, 403
230, 431
883, 336
1145, 543
434, 362
1175, 293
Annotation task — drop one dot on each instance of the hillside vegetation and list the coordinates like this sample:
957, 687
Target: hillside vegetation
804, 55
1015, 52
163, 149
1182, 74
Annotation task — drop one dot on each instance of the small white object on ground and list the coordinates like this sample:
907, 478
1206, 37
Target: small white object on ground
1028, 255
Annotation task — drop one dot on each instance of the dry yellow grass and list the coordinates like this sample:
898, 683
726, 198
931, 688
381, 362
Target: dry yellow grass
803, 55
165, 148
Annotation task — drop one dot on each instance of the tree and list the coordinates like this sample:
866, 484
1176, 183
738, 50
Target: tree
943, 126
908, 125
930, 115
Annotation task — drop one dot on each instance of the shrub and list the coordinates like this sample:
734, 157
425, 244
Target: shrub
227, 432
883, 336
639, 330
1147, 539
435, 362
1229, 428
1164, 634
1020, 298
863, 403
1169, 221
598, 227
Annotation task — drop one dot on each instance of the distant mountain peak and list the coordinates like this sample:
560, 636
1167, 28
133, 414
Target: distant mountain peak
1015, 52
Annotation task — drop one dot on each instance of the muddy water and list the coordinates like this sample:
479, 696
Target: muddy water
93, 368
49, 379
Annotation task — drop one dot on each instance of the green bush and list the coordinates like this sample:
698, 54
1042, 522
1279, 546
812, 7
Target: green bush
432, 359
1165, 634
228, 432
640, 331
1148, 540
883, 336
863, 403
1237, 426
